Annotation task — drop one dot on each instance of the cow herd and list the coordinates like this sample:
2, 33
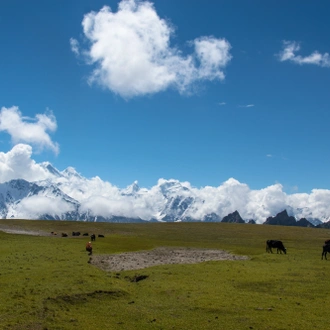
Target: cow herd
78, 233
278, 245
270, 244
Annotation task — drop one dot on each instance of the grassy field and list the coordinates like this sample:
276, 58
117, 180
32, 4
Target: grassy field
46, 282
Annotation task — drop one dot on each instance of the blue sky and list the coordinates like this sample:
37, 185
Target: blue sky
197, 91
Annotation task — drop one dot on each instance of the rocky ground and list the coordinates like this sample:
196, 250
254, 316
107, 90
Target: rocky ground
159, 256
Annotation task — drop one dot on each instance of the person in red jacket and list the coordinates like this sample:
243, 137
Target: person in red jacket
89, 248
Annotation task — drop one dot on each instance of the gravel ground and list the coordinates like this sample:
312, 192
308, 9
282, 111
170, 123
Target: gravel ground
159, 256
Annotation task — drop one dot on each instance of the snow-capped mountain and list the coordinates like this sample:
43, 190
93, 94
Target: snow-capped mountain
70, 172
48, 167
131, 190
66, 195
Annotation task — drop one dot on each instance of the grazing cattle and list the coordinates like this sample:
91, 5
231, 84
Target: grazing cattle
100, 235
85, 234
276, 245
89, 248
93, 237
64, 235
76, 233
326, 249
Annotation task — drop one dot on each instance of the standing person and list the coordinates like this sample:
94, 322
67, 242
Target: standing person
93, 237
89, 248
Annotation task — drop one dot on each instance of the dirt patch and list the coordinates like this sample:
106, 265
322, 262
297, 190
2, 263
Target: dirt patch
20, 231
159, 256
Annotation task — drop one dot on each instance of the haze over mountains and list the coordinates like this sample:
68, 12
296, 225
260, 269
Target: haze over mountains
66, 195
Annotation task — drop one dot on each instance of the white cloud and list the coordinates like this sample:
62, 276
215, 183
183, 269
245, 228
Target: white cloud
291, 47
222, 103
34, 206
246, 106
213, 55
265, 202
131, 52
17, 164
29, 130
74, 44
313, 205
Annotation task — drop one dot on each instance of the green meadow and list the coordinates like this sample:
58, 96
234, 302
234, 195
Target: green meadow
46, 282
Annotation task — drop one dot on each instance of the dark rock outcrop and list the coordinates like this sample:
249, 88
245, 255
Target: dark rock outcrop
303, 222
282, 219
324, 225
233, 218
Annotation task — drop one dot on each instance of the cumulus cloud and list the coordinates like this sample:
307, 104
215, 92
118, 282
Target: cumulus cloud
131, 52
99, 197
29, 130
291, 47
17, 164
213, 55
313, 205
34, 206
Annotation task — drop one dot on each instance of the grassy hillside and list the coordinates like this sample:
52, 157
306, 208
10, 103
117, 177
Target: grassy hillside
46, 282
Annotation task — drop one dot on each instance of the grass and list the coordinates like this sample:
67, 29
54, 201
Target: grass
47, 282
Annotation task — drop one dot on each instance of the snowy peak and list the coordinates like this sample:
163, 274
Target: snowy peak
25, 200
71, 173
171, 187
131, 190
17, 189
51, 169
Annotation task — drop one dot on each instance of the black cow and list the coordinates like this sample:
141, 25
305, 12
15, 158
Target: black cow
100, 235
276, 245
326, 249
76, 233
85, 234
93, 237
64, 235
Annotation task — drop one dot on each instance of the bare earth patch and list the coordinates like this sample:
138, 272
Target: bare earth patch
13, 230
159, 256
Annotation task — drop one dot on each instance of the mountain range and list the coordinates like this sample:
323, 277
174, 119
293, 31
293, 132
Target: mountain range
66, 195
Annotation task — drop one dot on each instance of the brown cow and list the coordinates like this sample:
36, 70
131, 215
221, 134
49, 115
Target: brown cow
89, 248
